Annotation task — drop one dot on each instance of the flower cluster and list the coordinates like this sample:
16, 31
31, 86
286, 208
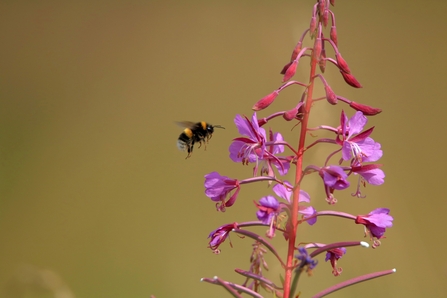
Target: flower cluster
353, 158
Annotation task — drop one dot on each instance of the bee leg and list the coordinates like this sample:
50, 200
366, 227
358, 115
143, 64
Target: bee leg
200, 142
207, 140
190, 147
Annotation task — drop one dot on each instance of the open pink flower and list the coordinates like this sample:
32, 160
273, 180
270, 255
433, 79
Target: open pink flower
218, 187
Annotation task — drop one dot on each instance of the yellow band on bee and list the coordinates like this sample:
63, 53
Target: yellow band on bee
188, 132
203, 125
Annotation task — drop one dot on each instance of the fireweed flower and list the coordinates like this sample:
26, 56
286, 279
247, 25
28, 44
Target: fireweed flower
250, 148
369, 173
285, 192
356, 144
217, 188
333, 255
268, 209
253, 148
219, 235
270, 157
334, 177
376, 222
306, 260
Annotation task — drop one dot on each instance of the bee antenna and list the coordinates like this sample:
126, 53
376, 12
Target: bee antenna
218, 126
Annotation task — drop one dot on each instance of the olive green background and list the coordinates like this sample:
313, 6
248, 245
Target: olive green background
95, 198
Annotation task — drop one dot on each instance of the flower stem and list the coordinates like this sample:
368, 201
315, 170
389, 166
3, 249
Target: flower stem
298, 175
353, 281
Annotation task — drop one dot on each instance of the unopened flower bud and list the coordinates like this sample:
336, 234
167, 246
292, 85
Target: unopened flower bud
318, 46
290, 114
342, 65
322, 62
295, 113
284, 69
296, 50
350, 79
313, 26
290, 72
321, 7
333, 35
265, 101
330, 95
325, 17
366, 110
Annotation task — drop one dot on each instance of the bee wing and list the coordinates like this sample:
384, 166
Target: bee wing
186, 124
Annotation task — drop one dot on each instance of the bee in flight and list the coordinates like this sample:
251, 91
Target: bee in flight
195, 132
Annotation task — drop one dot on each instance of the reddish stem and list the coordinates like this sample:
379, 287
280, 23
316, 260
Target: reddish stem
298, 175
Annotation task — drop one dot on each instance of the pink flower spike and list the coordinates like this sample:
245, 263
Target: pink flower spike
350, 80
366, 110
332, 2
290, 72
265, 101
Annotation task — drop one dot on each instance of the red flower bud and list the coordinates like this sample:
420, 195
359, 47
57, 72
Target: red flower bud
290, 115
333, 35
313, 26
366, 110
265, 101
296, 50
321, 7
342, 65
350, 80
284, 69
318, 46
322, 62
325, 17
294, 113
290, 72
330, 95
332, 2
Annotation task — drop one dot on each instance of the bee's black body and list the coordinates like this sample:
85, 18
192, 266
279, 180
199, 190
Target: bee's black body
194, 133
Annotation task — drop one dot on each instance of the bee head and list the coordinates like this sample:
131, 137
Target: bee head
210, 128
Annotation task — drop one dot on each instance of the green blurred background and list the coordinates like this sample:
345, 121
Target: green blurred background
95, 198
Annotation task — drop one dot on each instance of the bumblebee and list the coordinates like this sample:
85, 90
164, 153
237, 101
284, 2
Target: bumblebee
199, 132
